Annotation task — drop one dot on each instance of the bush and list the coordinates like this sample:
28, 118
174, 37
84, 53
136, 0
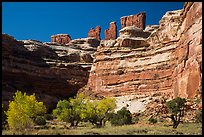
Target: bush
152, 120
48, 117
176, 108
23, 110
135, 120
199, 117
122, 117
40, 120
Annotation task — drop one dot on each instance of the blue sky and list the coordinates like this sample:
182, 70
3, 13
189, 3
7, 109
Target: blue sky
40, 20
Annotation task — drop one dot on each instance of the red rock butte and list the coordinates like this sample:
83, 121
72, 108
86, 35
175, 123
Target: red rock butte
61, 38
111, 33
95, 32
137, 20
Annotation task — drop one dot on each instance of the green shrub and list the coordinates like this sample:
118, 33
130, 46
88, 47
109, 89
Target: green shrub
48, 117
152, 120
199, 116
23, 110
40, 120
135, 119
122, 117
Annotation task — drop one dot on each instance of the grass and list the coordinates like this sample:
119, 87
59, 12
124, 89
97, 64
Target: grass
134, 129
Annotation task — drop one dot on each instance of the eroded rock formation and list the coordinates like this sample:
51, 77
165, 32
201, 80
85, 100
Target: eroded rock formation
51, 71
188, 71
164, 58
61, 38
111, 33
167, 61
95, 32
137, 20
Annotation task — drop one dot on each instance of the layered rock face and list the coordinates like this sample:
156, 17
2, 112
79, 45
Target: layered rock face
61, 38
95, 32
188, 72
137, 20
111, 33
51, 71
164, 58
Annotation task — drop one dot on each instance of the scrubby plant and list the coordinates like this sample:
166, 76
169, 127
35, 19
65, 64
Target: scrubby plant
23, 110
122, 117
199, 116
152, 120
48, 116
176, 107
135, 119
40, 120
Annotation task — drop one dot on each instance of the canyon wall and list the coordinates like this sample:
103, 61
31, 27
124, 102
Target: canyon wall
188, 72
49, 70
164, 58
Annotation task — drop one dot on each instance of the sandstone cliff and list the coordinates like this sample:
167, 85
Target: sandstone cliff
48, 69
164, 58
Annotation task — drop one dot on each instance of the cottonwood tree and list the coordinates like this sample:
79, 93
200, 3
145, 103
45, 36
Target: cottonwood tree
72, 110
97, 111
23, 110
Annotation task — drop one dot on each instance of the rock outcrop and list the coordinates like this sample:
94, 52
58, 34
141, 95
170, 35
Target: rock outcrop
187, 74
137, 20
164, 58
111, 33
49, 70
61, 38
95, 32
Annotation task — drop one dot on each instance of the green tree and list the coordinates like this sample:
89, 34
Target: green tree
72, 110
23, 110
98, 111
81, 108
176, 108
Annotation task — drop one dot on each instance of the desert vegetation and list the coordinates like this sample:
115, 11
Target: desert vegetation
82, 115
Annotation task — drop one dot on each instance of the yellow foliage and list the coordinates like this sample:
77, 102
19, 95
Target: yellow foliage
22, 110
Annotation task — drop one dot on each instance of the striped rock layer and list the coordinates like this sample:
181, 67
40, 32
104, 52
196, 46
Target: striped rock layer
166, 59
